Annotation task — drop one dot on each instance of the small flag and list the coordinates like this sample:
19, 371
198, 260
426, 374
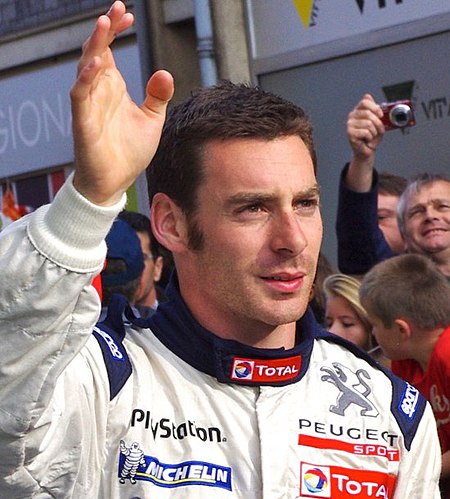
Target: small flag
11, 211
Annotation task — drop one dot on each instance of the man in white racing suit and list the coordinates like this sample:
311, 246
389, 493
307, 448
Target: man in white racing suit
231, 389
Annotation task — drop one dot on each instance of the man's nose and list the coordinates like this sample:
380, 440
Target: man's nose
287, 233
431, 212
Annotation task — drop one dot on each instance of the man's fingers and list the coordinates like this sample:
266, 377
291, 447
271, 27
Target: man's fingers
119, 20
123, 24
83, 85
160, 88
106, 29
366, 119
360, 134
367, 103
96, 57
359, 128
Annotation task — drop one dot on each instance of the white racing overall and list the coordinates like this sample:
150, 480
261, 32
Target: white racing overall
165, 409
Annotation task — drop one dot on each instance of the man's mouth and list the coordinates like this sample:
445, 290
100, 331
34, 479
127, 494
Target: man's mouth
286, 283
434, 231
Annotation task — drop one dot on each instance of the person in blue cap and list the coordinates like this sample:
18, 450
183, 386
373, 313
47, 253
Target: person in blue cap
124, 263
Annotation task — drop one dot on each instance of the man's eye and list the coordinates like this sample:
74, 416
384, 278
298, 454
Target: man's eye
307, 204
253, 208
250, 208
415, 212
382, 215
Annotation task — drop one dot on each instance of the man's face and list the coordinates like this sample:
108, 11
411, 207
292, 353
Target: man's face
146, 293
258, 211
387, 221
427, 220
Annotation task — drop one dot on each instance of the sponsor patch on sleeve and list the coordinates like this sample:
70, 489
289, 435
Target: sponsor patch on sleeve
408, 401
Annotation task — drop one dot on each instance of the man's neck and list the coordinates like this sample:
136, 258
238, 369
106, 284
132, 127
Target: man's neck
441, 260
253, 333
443, 266
149, 300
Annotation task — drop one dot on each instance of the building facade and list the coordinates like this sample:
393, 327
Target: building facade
39, 47
322, 54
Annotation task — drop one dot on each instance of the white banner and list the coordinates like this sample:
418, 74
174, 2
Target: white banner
35, 118
280, 26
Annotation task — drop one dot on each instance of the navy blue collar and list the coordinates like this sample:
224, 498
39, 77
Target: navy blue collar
227, 360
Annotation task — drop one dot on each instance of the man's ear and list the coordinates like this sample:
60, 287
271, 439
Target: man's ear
168, 223
404, 328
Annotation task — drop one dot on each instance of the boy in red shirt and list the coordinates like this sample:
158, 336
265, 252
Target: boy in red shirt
408, 303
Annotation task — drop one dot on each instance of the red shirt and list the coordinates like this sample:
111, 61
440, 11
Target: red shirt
434, 384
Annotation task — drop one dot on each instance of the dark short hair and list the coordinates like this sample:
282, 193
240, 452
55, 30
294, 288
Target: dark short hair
390, 184
221, 112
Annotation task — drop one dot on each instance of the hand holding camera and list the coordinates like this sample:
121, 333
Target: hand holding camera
366, 124
368, 121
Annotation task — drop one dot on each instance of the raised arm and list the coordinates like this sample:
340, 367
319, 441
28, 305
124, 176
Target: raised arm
364, 131
115, 139
361, 243
53, 390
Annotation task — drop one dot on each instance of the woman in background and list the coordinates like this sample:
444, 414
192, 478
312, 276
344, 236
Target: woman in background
344, 314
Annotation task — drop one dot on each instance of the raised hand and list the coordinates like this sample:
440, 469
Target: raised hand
364, 127
114, 138
364, 131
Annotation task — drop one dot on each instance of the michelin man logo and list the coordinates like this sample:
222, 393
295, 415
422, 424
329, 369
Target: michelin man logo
134, 457
353, 389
